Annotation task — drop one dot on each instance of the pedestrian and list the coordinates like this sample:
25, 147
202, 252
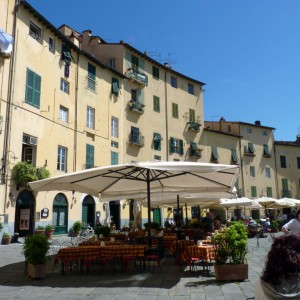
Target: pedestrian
293, 226
280, 278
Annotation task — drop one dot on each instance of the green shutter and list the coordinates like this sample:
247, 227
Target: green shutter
115, 86
269, 192
234, 156
181, 147
140, 96
33, 88
266, 150
127, 60
192, 115
84, 215
172, 145
156, 215
251, 148
91, 71
114, 158
193, 145
156, 104
157, 141
214, 153
253, 191
89, 159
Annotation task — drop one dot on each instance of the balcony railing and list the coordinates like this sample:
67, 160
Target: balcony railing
137, 76
136, 139
194, 126
195, 152
136, 106
249, 153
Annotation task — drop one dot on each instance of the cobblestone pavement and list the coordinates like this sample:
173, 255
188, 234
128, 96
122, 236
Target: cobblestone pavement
170, 282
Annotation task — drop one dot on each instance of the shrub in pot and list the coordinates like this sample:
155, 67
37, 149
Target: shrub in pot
6, 238
77, 226
104, 230
230, 247
49, 230
35, 249
40, 229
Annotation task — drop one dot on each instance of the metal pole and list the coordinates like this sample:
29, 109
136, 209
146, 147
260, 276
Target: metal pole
149, 207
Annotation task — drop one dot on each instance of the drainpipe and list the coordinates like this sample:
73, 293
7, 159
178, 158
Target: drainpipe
275, 169
7, 128
76, 121
241, 162
166, 117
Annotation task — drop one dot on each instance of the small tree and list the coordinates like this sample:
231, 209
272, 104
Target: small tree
22, 173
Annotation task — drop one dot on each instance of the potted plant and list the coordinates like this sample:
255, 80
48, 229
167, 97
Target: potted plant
49, 230
77, 226
40, 229
104, 230
35, 249
152, 227
6, 238
230, 247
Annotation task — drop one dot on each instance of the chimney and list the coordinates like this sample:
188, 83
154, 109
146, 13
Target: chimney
298, 139
257, 123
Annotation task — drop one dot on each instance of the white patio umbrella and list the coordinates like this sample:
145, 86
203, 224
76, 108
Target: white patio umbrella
265, 201
284, 203
290, 200
138, 180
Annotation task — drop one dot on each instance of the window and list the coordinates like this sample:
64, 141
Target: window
51, 45
194, 151
90, 118
66, 54
155, 72
266, 151
264, 133
234, 158
63, 114
228, 128
33, 89
176, 146
269, 192
135, 62
214, 154
175, 110
191, 115
298, 162
156, 104
282, 161
114, 144
285, 188
35, 31
173, 82
91, 77
115, 86
135, 136
64, 86
89, 156
114, 127
62, 159
249, 130
191, 88
268, 172
252, 171
157, 141
29, 148
112, 63
249, 150
114, 159
253, 191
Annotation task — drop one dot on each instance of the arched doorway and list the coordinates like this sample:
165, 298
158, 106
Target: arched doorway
88, 211
24, 216
60, 214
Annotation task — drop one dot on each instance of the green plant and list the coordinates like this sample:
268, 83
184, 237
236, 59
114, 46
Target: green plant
195, 223
35, 249
40, 227
1, 226
42, 173
6, 234
230, 245
152, 225
77, 226
23, 172
275, 224
104, 230
49, 227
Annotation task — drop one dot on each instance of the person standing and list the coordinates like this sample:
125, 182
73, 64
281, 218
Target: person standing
208, 223
293, 226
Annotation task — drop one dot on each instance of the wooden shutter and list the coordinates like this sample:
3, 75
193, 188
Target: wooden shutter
181, 147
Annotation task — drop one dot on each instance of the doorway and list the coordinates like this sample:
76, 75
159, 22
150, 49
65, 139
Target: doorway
114, 207
88, 211
60, 214
24, 216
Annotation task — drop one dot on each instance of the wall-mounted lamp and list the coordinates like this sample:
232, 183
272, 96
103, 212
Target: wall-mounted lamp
104, 206
12, 198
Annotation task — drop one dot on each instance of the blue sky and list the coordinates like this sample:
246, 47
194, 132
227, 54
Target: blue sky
246, 51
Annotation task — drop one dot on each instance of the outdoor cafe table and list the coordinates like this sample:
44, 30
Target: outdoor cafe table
204, 253
179, 245
78, 254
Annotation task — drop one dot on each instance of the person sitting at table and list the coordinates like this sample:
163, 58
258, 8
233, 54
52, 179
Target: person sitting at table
281, 275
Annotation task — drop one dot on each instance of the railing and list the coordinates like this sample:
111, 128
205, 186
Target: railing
195, 152
194, 126
136, 106
136, 139
137, 76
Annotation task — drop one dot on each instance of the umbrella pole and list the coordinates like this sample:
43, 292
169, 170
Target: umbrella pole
149, 207
186, 215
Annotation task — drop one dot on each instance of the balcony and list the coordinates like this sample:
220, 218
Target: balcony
136, 106
140, 78
195, 152
267, 155
248, 153
136, 139
195, 126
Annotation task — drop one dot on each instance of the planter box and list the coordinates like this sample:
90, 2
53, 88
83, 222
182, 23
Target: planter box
6, 240
49, 233
36, 271
229, 272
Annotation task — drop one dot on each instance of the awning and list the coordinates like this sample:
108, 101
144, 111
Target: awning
6, 42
